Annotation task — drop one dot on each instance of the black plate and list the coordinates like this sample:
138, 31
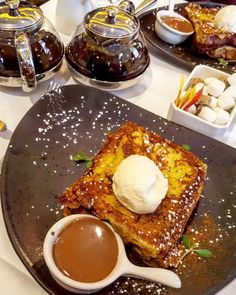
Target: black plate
37, 167
182, 53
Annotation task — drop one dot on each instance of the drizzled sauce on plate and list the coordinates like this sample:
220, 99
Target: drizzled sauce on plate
86, 250
177, 23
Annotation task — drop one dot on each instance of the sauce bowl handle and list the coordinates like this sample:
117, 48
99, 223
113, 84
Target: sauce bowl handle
159, 275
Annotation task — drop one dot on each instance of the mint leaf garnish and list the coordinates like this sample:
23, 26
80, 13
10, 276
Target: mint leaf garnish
186, 147
192, 248
81, 157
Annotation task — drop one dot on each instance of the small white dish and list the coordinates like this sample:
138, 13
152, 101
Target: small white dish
122, 267
192, 121
167, 33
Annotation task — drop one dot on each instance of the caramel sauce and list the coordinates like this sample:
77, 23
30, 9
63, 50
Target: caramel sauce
177, 23
86, 250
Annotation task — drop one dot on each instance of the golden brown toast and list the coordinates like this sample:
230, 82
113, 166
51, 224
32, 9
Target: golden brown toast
208, 39
152, 235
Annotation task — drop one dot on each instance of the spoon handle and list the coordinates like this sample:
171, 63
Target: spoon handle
159, 275
171, 5
143, 5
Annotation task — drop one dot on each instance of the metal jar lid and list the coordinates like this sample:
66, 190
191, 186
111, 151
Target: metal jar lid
14, 17
111, 22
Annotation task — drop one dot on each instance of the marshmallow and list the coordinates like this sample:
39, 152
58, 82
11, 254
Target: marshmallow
222, 116
207, 114
215, 87
231, 91
232, 79
192, 109
226, 101
213, 102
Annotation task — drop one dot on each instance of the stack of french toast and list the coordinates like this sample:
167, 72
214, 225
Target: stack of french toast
154, 235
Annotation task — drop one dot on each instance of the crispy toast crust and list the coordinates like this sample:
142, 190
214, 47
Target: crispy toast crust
152, 235
208, 39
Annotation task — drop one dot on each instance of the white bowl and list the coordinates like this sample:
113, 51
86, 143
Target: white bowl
167, 33
122, 267
192, 121
64, 281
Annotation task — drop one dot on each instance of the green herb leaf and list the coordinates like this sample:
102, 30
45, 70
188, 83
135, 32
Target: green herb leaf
89, 164
203, 252
186, 147
222, 62
192, 248
186, 242
81, 157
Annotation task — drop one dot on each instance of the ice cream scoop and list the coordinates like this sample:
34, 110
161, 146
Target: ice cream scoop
225, 19
139, 184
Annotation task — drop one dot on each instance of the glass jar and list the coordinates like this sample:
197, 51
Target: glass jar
109, 45
30, 47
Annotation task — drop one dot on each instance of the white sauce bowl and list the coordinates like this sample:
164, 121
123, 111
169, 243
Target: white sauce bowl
167, 33
122, 267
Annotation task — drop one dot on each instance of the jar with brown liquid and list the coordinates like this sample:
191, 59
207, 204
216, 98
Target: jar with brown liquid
109, 45
30, 47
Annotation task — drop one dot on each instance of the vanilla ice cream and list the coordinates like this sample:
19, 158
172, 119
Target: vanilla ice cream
139, 184
225, 19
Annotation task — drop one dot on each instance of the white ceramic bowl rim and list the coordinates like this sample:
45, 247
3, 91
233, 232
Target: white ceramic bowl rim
174, 14
50, 238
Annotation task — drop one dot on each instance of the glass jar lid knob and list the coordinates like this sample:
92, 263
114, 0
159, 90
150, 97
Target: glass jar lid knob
13, 5
14, 16
111, 14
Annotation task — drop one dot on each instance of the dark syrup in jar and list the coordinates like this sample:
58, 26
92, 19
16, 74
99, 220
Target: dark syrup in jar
47, 52
110, 61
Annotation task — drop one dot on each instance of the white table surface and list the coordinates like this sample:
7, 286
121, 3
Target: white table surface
153, 93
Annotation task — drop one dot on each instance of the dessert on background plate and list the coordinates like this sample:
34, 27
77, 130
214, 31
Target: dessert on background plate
215, 30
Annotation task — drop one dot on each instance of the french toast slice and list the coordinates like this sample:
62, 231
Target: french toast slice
208, 39
153, 235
